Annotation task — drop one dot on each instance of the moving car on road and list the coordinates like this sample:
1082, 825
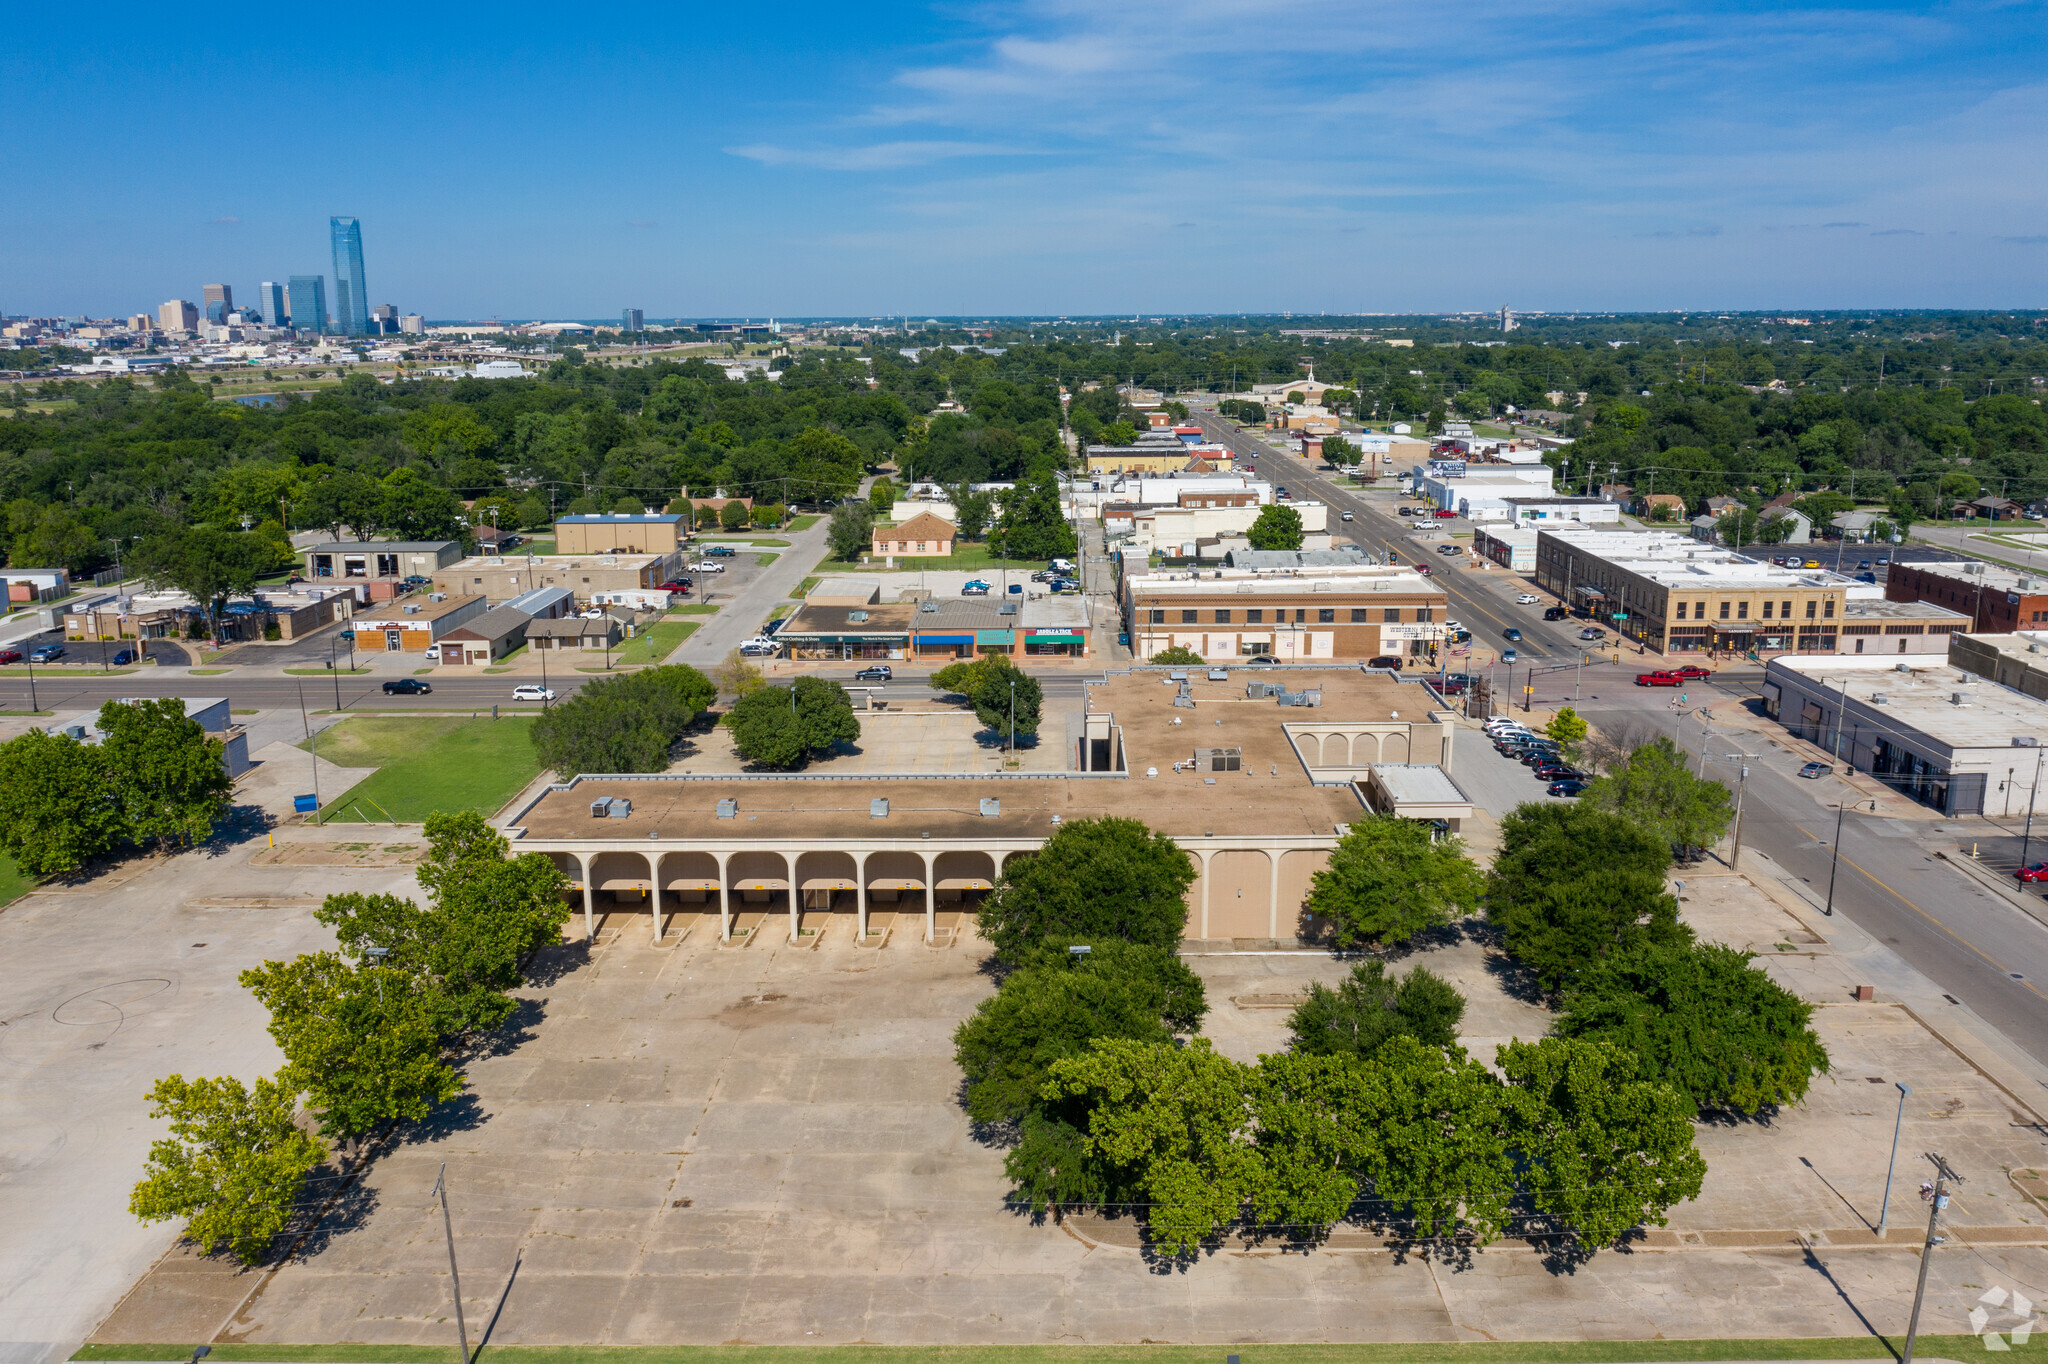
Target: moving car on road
1507, 655
1423, 569
1692, 672
1815, 771
1659, 678
1513, 632
1345, 516
875, 672
407, 686
532, 691
1555, 613
1527, 599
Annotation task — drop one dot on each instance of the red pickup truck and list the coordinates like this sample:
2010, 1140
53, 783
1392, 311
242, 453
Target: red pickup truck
1659, 679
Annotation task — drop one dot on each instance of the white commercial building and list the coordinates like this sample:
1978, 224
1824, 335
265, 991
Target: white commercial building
1936, 734
1483, 491
1211, 532
1549, 511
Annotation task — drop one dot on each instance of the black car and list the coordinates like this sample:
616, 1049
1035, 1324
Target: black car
1387, 661
1268, 658
1555, 613
878, 672
407, 686
1570, 786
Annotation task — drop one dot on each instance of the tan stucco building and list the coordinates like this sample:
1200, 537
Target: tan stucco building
619, 533
922, 536
1306, 606
412, 622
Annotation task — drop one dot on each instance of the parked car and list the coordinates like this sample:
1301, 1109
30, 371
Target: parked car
974, 588
1866, 577
756, 649
124, 658
1815, 771
1659, 679
1060, 565
676, 585
874, 672
1555, 613
48, 653
1863, 563
10, 655
415, 581
1268, 658
1527, 599
1592, 632
1449, 549
1063, 586
1570, 786
433, 653
773, 626
1044, 575
2035, 871
707, 566
1281, 491
532, 691
1451, 686
1513, 632
1404, 511
407, 686
1812, 563
720, 551
1883, 559
1387, 661
1556, 771
1344, 516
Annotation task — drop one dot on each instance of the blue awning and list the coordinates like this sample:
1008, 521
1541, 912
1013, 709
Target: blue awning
923, 640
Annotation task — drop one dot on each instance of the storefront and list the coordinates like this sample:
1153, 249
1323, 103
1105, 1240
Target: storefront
995, 642
847, 646
945, 646
1055, 643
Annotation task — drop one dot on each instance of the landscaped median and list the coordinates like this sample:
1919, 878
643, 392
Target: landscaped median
426, 763
1464, 1352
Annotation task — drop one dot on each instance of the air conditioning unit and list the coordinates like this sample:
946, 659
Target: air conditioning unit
990, 806
878, 808
412, 608
728, 808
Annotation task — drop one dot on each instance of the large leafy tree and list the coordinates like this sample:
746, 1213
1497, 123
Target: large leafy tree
1656, 789
1372, 1005
1055, 1004
851, 531
1603, 1150
1439, 1156
233, 1165
361, 1042
1032, 526
60, 805
171, 778
1572, 884
1170, 1123
208, 565
1094, 879
1277, 527
626, 723
1312, 1115
823, 466
785, 727
997, 689
1389, 879
1700, 1018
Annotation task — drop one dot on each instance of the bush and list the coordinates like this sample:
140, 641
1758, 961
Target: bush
626, 723
733, 516
1177, 656
1389, 879
1702, 1019
1093, 880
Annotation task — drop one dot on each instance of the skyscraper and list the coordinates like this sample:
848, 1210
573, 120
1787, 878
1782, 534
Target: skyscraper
306, 304
633, 320
270, 294
178, 315
351, 295
220, 301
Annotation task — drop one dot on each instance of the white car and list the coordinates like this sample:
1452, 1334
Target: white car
591, 613
1452, 627
707, 566
528, 691
1527, 599
1344, 516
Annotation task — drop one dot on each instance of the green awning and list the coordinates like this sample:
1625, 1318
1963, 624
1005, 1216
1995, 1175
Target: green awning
1057, 639
994, 637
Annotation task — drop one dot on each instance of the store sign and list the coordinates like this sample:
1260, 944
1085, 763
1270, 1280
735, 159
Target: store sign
1411, 632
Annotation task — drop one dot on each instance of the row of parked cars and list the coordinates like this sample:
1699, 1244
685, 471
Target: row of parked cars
1539, 753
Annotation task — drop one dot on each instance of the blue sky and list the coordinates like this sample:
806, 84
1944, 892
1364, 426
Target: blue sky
1033, 158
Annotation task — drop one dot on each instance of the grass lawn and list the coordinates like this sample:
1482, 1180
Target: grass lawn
429, 763
798, 523
803, 589
763, 560
972, 558
13, 884
694, 609
1462, 1352
666, 636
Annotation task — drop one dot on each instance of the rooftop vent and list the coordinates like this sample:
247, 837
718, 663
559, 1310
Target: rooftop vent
991, 806
1877, 698
878, 808
608, 560
1008, 608
928, 608
728, 808
856, 617
412, 608
2025, 741
1902, 667
1959, 698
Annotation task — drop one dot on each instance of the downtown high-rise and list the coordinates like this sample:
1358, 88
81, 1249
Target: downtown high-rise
220, 301
351, 294
270, 294
306, 302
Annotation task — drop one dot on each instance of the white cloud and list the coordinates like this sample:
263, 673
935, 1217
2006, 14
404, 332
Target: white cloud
874, 157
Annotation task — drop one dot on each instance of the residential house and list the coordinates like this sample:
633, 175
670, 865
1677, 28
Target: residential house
1646, 506
1801, 525
923, 535
575, 632
485, 638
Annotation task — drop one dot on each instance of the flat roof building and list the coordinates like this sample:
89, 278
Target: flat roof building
502, 577
619, 532
1308, 610
1937, 734
414, 623
1893, 627
378, 565
1997, 600
938, 629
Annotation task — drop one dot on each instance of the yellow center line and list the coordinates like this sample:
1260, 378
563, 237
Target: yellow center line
1984, 956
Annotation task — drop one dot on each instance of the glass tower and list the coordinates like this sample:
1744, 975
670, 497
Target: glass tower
306, 302
220, 301
271, 295
351, 295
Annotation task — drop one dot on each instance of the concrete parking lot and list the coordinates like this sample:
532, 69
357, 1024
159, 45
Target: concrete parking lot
697, 1143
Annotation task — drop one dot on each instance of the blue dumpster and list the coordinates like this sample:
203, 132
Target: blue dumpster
305, 805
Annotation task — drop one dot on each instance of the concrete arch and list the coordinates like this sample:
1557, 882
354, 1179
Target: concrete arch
1240, 894
1298, 867
961, 875
821, 876
690, 876
1394, 748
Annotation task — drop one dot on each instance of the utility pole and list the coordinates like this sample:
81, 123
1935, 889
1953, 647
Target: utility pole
454, 1279
2028, 837
313, 743
1937, 1202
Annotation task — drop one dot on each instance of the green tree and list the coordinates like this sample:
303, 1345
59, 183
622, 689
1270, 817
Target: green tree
1177, 656
1439, 1152
624, 723
48, 536
823, 466
1312, 1140
170, 778
1603, 1149
1700, 1018
882, 495
733, 515
60, 805
1277, 527
413, 508
233, 1165
361, 1043
1656, 789
1341, 452
1370, 1006
1093, 880
768, 514
1053, 1005
1573, 884
629, 505
851, 531
997, 689
1171, 1123
209, 565
1568, 728
1032, 524
975, 511
737, 675
1119, 433
1389, 879
785, 727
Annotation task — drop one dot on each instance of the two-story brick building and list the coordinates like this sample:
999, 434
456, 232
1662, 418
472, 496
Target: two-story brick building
1298, 605
1997, 600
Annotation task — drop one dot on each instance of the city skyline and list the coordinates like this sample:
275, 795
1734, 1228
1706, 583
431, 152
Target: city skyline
1047, 158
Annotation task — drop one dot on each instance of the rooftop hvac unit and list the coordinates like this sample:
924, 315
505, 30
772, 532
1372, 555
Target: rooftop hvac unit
608, 560
2025, 741
991, 806
601, 808
856, 617
437, 596
621, 807
878, 808
1219, 674
1902, 667
412, 608
728, 808
927, 608
1877, 698
1008, 608
1959, 698
1219, 759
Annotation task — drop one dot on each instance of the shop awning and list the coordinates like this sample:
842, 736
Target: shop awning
1004, 637
923, 640
1057, 639
844, 639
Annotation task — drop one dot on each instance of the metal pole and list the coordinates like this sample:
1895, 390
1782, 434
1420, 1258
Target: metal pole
1885, 1214
454, 1279
333, 674
1829, 908
1735, 853
2028, 836
29, 660
1936, 1204
313, 742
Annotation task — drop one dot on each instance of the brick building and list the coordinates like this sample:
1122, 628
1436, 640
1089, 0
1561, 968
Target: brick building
1997, 600
1336, 610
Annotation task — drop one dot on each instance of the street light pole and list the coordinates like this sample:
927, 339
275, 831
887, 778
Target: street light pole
1829, 908
454, 1279
2028, 836
1885, 1214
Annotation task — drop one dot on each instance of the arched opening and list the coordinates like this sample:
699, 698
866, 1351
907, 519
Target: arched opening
689, 881
960, 882
829, 884
758, 883
621, 881
896, 891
